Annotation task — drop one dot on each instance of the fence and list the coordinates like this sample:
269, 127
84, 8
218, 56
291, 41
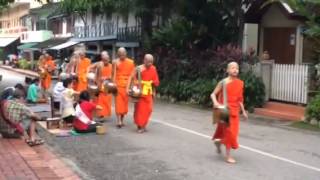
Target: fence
290, 83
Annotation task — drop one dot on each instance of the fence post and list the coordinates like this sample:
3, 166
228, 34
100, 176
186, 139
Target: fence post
266, 68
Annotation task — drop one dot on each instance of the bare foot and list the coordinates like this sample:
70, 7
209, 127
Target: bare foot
140, 131
230, 160
218, 145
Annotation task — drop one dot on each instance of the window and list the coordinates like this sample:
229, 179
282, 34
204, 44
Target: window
41, 25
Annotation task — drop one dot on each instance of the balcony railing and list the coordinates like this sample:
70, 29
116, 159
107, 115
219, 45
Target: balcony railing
93, 31
126, 34
129, 33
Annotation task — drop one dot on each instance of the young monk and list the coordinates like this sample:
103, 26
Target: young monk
149, 80
122, 71
103, 70
82, 70
47, 67
227, 134
71, 69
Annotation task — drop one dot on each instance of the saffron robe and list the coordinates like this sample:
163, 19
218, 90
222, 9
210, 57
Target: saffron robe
49, 67
229, 133
143, 108
82, 70
124, 68
104, 100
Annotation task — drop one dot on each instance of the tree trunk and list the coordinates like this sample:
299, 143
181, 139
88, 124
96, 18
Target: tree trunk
84, 20
241, 30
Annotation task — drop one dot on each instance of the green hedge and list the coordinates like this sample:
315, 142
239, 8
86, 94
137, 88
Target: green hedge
313, 109
254, 92
198, 91
24, 64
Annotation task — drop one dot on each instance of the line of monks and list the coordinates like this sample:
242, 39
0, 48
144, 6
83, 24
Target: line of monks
122, 71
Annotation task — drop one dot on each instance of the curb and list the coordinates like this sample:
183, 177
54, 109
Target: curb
24, 72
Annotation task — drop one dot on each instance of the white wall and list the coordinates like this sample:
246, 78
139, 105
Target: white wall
250, 36
33, 3
275, 18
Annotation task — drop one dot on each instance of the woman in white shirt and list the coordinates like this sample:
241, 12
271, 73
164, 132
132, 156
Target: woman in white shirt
67, 101
58, 90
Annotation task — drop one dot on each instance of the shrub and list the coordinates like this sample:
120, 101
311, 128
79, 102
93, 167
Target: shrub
198, 91
195, 92
23, 64
254, 92
313, 109
34, 65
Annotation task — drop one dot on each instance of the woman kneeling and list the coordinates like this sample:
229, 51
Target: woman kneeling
83, 122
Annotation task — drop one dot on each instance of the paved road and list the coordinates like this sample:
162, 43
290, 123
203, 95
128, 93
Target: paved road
177, 146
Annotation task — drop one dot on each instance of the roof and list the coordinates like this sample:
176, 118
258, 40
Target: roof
5, 41
26, 46
65, 45
257, 9
49, 43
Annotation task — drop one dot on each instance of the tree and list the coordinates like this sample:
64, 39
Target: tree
5, 3
79, 7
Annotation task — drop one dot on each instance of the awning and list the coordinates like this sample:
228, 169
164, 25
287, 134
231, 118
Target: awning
5, 41
64, 45
49, 43
26, 46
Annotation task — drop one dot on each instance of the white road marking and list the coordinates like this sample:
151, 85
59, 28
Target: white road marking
242, 146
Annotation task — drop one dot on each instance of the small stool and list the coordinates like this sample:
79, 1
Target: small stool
53, 123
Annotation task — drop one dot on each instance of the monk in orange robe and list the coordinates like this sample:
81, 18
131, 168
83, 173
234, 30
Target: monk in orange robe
149, 80
227, 133
47, 67
71, 69
123, 68
103, 70
82, 70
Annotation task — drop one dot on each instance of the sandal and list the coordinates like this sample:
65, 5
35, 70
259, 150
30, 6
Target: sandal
35, 142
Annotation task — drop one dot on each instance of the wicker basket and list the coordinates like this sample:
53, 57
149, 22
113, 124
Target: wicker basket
101, 130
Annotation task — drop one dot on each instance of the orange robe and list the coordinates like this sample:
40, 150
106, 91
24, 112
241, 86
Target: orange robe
104, 100
123, 72
46, 82
229, 133
82, 70
143, 108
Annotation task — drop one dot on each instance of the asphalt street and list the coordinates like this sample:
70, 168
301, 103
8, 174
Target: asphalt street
178, 146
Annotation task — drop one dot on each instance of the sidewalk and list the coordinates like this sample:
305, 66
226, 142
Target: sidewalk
18, 161
21, 71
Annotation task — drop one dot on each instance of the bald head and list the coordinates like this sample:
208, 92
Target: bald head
122, 53
233, 69
82, 53
231, 64
105, 57
148, 60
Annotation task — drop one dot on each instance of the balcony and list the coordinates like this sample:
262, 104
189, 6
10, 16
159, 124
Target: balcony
95, 31
12, 32
129, 34
35, 36
107, 31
